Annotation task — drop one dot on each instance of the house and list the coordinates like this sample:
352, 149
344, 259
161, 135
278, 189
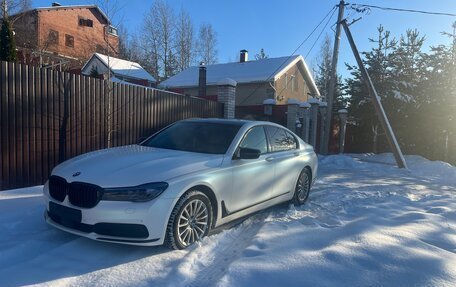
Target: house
121, 70
63, 35
280, 79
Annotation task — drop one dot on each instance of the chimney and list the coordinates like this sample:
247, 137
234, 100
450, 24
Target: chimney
56, 4
202, 80
244, 56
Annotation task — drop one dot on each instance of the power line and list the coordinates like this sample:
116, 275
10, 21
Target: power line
289, 57
321, 33
403, 10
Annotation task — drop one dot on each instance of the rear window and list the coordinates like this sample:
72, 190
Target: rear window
281, 139
198, 137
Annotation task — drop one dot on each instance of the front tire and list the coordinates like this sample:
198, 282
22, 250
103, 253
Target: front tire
302, 189
190, 220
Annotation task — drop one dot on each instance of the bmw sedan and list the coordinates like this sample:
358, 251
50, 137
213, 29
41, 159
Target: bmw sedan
181, 182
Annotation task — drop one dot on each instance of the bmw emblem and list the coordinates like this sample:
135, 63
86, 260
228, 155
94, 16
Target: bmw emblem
76, 174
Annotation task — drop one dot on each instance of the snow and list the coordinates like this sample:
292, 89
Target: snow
293, 102
246, 72
269, 102
313, 101
367, 223
227, 82
120, 67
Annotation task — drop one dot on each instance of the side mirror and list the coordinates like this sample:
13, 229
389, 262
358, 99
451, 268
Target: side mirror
141, 139
249, 153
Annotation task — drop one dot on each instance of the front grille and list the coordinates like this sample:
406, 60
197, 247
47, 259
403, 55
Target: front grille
58, 188
84, 194
79, 193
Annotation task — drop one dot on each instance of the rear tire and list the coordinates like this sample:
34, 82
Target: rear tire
302, 189
190, 220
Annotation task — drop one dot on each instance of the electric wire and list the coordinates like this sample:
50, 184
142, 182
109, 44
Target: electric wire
404, 10
292, 54
321, 33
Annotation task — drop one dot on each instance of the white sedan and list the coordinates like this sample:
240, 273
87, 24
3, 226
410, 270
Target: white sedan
175, 186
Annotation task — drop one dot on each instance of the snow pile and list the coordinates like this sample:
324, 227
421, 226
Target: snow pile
366, 223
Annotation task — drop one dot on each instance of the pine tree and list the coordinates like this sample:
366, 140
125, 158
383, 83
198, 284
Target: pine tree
7, 44
323, 74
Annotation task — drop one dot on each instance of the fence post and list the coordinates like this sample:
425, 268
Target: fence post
323, 114
305, 116
226, 94
314, 105
268, 107
292, 114
343, 127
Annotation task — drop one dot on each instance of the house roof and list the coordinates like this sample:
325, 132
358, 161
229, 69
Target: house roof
258, 71
75, 7
122, 68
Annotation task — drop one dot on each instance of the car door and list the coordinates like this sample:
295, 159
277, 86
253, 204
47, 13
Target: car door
252, 178
284, 148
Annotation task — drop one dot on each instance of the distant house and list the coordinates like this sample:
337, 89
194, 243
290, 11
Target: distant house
121, 70
273, 78
63, 35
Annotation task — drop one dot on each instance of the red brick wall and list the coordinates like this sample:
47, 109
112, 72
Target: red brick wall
87, 40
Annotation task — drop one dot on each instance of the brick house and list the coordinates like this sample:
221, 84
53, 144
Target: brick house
122, 71
280, 79
63, 35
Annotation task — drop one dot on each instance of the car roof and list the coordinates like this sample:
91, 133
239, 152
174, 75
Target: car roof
218, 121
239, 122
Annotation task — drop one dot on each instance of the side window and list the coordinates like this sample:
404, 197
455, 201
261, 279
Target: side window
281, 140
256, 139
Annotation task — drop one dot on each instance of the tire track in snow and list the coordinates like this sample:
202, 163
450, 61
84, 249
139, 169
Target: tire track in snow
206, 264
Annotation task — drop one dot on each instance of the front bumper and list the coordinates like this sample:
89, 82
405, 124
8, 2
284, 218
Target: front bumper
118, 222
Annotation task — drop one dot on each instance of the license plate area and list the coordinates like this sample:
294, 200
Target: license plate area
65, 213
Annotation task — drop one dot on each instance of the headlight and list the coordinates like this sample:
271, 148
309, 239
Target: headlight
140, 193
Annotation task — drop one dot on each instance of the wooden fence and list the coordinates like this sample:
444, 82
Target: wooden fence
48, 116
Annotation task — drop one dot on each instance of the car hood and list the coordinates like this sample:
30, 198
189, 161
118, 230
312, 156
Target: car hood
133, 165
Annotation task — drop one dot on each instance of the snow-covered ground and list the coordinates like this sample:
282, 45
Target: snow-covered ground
366, 223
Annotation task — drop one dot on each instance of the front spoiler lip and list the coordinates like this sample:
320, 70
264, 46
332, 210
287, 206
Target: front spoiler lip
95, 236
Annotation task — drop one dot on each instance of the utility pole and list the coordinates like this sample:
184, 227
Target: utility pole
376, 101
333, 79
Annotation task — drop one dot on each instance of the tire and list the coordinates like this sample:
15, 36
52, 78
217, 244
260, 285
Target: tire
302, 188
190, 220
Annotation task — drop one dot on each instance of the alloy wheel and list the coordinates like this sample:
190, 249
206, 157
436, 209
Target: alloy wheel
303, 187
193, 222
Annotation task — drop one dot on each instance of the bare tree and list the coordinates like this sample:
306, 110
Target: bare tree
10, 7
207, 44
158, 39
184, 41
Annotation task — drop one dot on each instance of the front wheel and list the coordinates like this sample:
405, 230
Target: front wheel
302, 189
190, 220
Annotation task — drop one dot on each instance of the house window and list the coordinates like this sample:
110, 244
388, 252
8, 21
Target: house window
85, 22
112, 30
69, 41
294, 83
53, 37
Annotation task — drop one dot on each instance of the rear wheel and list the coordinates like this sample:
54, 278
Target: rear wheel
190, 220
302, 189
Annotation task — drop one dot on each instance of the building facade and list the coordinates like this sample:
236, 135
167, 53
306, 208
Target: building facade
280, 79
63, 36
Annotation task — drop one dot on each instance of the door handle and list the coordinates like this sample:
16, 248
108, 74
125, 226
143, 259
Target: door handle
270, 158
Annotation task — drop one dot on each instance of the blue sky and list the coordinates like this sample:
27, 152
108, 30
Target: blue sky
280, 26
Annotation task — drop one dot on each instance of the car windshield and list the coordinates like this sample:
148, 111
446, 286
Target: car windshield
201, 137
